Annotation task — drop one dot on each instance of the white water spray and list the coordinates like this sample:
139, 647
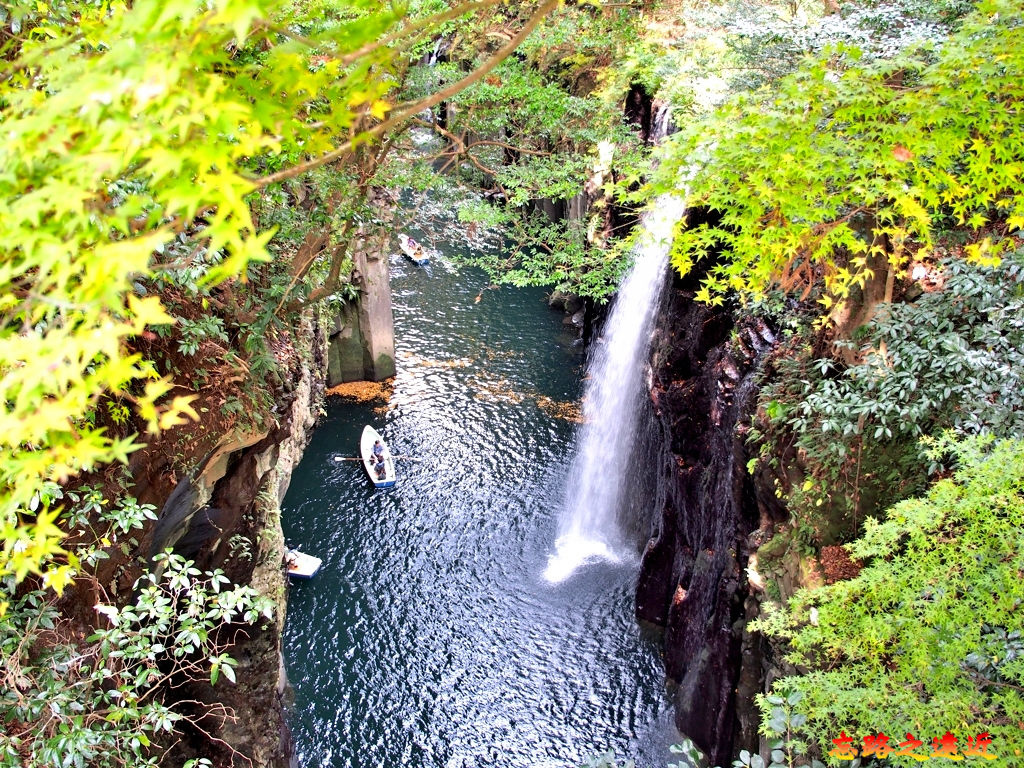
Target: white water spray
588, 529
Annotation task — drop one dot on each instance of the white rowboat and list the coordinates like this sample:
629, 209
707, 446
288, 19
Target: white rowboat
370, 436
413, 250
301, 566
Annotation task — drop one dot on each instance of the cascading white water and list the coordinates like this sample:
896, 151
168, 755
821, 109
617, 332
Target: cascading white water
588, 529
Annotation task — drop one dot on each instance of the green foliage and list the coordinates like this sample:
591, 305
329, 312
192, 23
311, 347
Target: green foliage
949, 360
840, 168
138, 136
607, 760
100, 702
543, 252
529, 133
192, 333
927, 638
769, 42
146, 100
689, 753
953, 358
781, 727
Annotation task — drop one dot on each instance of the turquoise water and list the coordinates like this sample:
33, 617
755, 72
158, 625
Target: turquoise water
430, 638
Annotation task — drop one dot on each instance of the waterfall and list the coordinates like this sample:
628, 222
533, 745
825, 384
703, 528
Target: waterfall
435, 52
661, 123
588, 528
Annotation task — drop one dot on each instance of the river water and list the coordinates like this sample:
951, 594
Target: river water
430, 637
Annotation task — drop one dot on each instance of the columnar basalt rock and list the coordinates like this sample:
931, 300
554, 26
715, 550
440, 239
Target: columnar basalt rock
692, 579
362, 345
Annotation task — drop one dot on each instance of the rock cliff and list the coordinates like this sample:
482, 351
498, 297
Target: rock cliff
692, 580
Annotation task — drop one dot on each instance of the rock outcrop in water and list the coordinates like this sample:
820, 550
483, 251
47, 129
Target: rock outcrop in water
692, 579
362, 341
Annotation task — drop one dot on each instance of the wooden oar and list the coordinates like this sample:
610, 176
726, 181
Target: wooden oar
359, 458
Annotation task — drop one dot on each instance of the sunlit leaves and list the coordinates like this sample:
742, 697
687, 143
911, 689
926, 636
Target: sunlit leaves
928, 637
866, 161
126, 127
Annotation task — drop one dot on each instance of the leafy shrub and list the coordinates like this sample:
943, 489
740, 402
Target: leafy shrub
927, 638
953, 358
192, 333
771, 45
99, 702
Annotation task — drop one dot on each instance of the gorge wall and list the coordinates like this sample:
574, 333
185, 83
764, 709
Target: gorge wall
692, 579
227, 515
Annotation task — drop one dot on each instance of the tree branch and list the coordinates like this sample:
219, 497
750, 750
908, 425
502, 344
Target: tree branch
331, 283
503, 145
479, 143
407, 31
417, 26
404, 111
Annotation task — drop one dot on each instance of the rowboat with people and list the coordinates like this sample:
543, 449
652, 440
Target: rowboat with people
300, 565
377, 459
413, 250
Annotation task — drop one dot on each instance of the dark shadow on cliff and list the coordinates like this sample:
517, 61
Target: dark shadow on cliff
692, 580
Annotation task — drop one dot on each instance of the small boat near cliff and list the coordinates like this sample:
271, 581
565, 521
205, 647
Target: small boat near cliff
301, 566
413, 250
366, 442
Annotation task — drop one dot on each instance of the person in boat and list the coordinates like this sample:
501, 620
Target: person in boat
378, 451
380, 469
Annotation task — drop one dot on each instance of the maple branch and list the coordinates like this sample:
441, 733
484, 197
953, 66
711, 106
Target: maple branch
464, 147
404, 111
417, 26
503, 145
407, 31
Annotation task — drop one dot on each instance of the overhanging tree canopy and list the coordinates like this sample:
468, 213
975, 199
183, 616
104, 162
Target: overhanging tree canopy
125, 125
844, 166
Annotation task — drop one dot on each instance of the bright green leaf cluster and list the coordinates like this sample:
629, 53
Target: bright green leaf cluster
134, 137
842, 168
928, 638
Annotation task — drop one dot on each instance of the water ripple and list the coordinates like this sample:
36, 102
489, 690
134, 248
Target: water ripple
429, 637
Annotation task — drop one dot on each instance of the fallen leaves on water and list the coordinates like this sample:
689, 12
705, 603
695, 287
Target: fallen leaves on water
364, 391
493, 388
567, 410
485, 288
416, 360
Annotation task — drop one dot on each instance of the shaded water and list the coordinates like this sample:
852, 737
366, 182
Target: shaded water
430, 638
